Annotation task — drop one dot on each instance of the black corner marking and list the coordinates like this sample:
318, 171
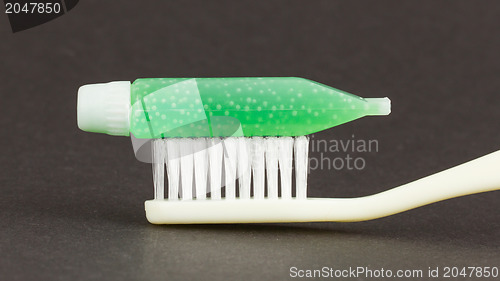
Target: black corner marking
70, 4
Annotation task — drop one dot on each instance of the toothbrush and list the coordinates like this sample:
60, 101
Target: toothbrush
479, 175
213, 132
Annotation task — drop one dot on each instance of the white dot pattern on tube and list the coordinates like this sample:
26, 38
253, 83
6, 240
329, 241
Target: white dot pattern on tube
248, 101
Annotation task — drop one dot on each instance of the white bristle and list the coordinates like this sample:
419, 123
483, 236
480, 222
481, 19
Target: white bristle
173, 168
186, 159
285, 154
243, 167
215, 152
158, 154
253, 162
258, 167
272, 145
301, 149
200, 167
230, 162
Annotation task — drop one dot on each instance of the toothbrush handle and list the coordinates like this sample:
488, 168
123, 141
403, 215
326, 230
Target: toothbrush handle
479, 175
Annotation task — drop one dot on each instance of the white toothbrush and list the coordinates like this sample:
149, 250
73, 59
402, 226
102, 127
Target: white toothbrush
197, 166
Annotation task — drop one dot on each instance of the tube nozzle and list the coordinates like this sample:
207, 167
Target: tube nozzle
378, 106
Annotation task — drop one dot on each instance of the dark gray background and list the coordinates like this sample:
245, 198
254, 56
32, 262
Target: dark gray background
71, 203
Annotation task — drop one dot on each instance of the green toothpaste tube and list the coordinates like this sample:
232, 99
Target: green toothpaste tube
152, 108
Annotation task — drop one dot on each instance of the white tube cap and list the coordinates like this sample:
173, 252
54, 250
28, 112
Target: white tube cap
104, 108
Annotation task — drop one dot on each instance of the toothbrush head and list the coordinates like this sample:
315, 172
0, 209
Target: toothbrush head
230, 168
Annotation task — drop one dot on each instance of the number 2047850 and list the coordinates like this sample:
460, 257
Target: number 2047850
32, 8
471, 271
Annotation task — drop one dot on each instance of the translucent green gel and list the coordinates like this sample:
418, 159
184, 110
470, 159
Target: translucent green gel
222, 107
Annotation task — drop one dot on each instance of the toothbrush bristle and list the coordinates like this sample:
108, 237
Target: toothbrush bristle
173, 171
258, 167
244, 167
206, 165
285, 155
301, 157
158, 154
230, 160
186, 156
215, 153
272, 145
200, 167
